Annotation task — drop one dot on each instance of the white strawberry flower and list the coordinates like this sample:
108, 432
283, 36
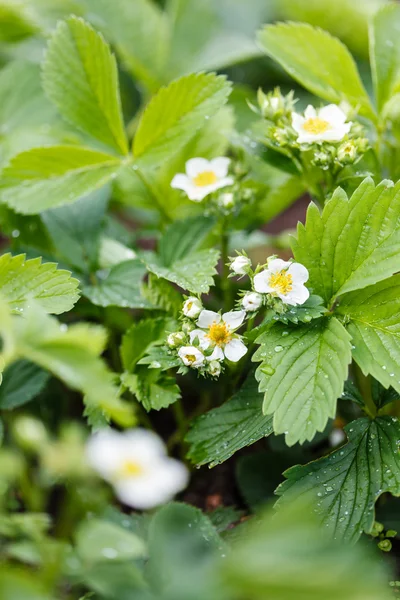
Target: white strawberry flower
252, 301
203, 177
240, 265
328, 124
191, 356
192, 307
284, 279
217, 332
137, 466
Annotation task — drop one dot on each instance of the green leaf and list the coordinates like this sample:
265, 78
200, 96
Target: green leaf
75, 229
175, 115
153, 389
70, 353
16, 583
302, 374
194, 273
119, 286
160, 357
100, 541
221, 432
16, 22
112, 252
375, 329
139, 32
184, 237
43, 178
334, 76
385, 53
286, 556
313, 308
163, 295
344, 486
80, 76
382, 396
138, 338
23, 281
22, 382
355, 242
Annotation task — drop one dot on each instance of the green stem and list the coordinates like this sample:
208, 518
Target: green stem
181, 422
364, 385
225, 282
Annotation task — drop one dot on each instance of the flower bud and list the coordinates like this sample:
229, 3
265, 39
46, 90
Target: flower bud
226, 200
176, 339
215, 368
347, 153
30, 433
240, 265
192, 307
252, 301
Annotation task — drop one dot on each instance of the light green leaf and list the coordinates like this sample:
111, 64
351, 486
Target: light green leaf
119, 286
175, 115
287, 556
385, 53
16, 22
152, 389
334, 76
217, 435
96, 539
139, 32
23, 281
75, 229
375, 329
355, 242
22, 382
112, 252
70, 353
302, 374
160, 357
80, 76
344, 486
43, 178
138, 338
194, 273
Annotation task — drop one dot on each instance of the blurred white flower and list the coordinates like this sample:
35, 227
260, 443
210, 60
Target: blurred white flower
192, 307
327, 124
252, 301
218, 331
203, 177
191, 356
240, 265
336, 437
136, 464
285, 280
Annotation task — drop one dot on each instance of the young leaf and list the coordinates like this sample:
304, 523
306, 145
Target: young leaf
163, 295
385, 53
344, 486
22, 382
175, 115
355, 242
375, 329
119, 286
80, 76
302, 374
139, 337
22, 281
333, 77
75, 229
153, 389
221, 432
43, 178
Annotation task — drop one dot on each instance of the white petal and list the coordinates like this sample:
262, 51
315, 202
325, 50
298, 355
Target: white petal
309, 138
105, 452
297, 122
277, 264
217, 354
142, 446
310, 112
299, 273
235, 350
298, 295
234, 318
201, 336
333, 114
220, 166
336, 134
261, 282
182, 182
207, 318
194, 166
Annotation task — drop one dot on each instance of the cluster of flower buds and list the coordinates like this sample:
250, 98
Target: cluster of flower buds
274, 106
207, 338
276, 284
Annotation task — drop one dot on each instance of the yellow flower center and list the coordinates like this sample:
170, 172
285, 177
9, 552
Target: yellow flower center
219, 334
205, 178
316, 125
130, 468
282, 282
190, 358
